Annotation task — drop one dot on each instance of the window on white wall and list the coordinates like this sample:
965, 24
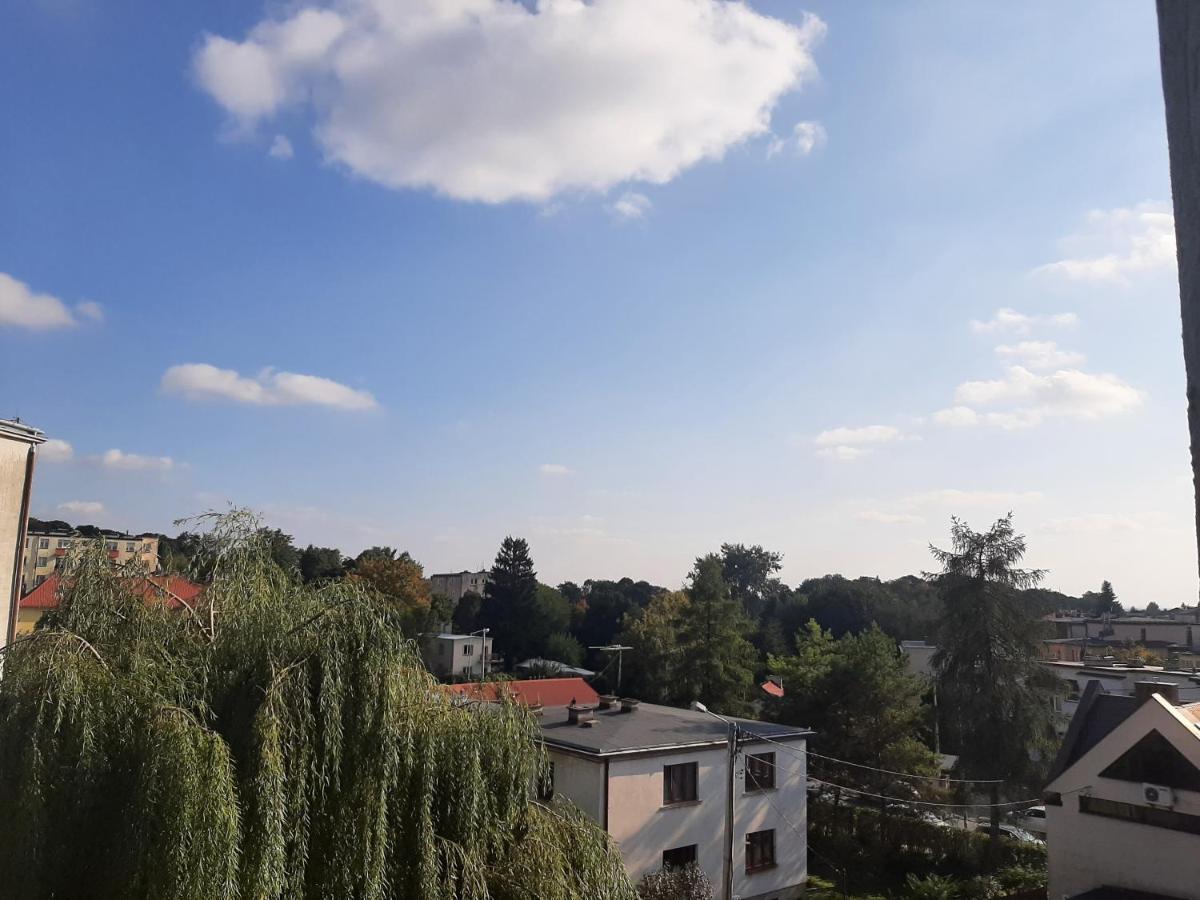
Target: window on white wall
760, 850
678, 857
679, 783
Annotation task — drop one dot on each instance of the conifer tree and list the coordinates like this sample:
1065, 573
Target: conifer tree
716, 660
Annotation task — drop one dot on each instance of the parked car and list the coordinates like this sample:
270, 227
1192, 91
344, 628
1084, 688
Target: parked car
1020, 834
1032, 820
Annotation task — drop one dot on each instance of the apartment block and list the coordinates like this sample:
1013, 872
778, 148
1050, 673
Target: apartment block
46, 551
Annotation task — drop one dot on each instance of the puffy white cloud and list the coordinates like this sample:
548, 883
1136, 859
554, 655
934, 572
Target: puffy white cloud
867, 434
1009, 320
135, 462
82, 507
281, 147
1031, 398
90, 309
555, 470
630, 205
55, 450
1116, 244
804, 139
22, 307
1040, 354
887, 518
268, 388
1094, 523
493, 100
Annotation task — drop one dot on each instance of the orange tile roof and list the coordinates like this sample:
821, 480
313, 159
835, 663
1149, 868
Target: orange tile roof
174, 590
546, 691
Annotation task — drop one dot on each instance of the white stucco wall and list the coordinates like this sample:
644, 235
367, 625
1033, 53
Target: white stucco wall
1087, 851
643, 828
581, 781
14, 456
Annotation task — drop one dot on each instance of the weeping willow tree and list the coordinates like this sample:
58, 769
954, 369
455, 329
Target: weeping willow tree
269, 740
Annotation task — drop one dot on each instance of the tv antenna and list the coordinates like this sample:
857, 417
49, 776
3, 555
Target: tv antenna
618, 649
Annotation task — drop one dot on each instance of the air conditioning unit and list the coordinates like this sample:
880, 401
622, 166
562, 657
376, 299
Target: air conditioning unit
1158, 795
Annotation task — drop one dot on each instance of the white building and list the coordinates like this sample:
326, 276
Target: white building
1116, 679
454, 584
457, 655
18, 448
1123, 803
656, 778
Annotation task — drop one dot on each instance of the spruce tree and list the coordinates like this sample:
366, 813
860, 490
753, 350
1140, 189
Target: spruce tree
716, 660
510, 602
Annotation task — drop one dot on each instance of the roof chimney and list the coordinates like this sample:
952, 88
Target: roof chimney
1144, 690
607, 701
628, 705
579, 715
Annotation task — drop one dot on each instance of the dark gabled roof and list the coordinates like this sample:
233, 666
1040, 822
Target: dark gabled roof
1097, 715
650, 728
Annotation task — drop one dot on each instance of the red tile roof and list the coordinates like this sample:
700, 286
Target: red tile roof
174, 590
546, 691
772, 688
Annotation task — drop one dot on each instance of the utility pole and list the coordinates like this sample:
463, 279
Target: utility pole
730, 795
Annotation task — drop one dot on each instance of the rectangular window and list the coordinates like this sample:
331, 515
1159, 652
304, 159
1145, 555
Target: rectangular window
760, 771
679, 783
468, 649
111, 545
44, 543
130, 548
1142, 815
41, 561
678, 857
64, 544
760, 850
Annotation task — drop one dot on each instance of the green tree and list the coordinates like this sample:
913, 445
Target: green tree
994, 695
466, 613
510, 602
651, 669
716, 661
857, 694
283, 552
749, 573
563, 648
320, 564
274, 740
401, 581
1107, 601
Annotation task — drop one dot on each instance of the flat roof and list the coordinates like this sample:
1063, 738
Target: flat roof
19, 431
650, 728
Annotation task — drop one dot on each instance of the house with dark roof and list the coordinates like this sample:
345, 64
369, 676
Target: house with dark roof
1123, 802
657, 779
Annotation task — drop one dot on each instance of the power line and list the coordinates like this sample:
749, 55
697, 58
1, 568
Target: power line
903, 800
844, 762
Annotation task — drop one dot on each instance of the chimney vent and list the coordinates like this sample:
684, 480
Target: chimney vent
1144, 690
628, 705
579, 715
607, 701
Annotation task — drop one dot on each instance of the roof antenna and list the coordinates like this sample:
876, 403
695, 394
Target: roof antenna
620, 651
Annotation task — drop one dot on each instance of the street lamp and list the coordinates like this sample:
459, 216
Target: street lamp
727, 871
482, 652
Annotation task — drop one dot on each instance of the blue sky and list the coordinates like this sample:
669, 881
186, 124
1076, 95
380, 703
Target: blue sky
629, 285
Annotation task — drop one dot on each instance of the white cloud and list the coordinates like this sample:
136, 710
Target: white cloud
493, 100
554, 469
1029, 398
1116, 244
886, 518
953, 497
135, 462
268, 388
868, 434
1009, 320
630, 205
82, 507
55, 450
281, 147
805, 138
22, 307
849, 444
1040, 354
1095, 523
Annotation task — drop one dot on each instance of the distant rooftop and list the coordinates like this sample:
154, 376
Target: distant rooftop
17, 430
650, 728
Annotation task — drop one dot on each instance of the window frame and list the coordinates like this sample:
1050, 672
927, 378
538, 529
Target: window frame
764, 780
689, 783
753, 849
689, 851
